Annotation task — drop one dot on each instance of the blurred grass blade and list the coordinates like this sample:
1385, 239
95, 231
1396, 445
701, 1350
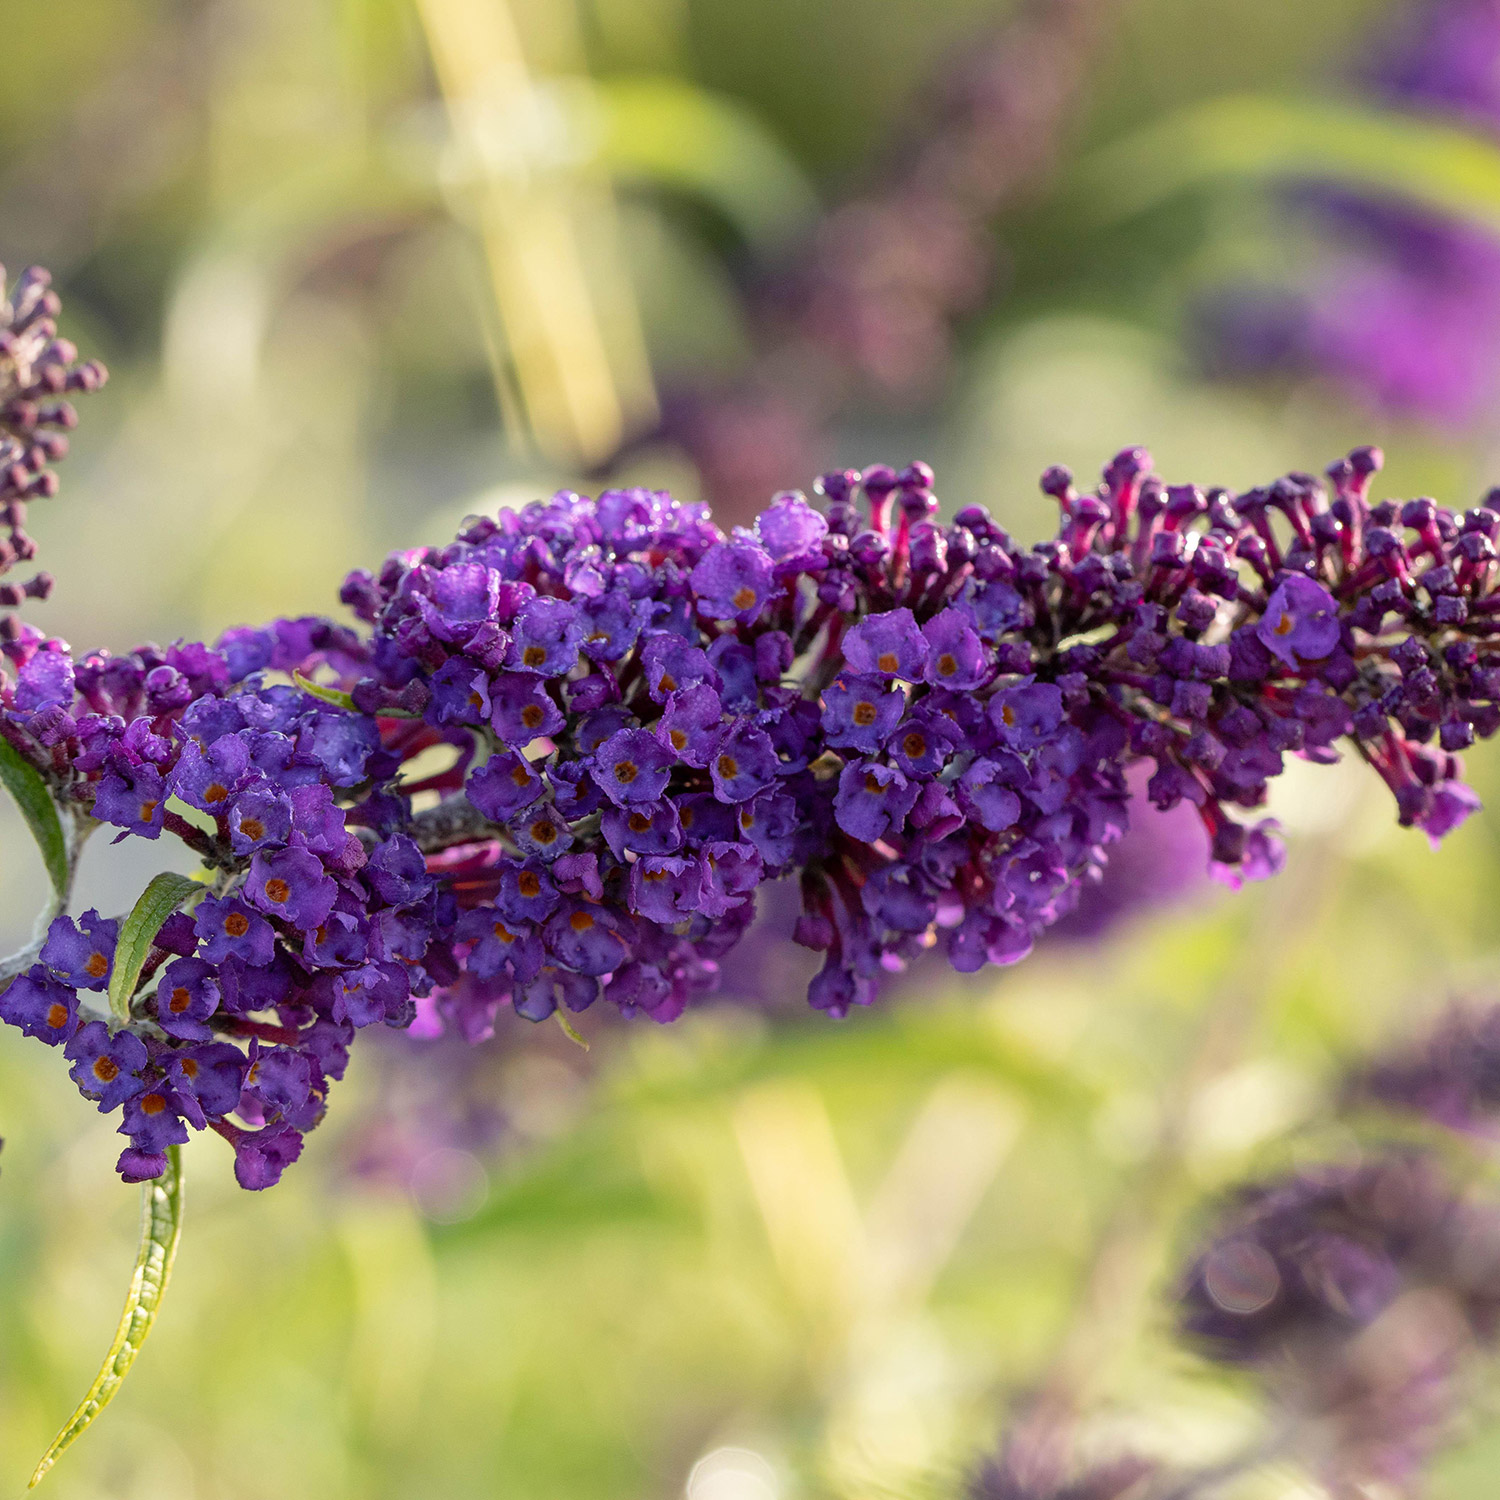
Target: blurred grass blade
1397, 155
157, 902
24, 782
667, 131
161, 1229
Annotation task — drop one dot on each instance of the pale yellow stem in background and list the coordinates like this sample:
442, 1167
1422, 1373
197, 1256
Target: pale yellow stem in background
582, 372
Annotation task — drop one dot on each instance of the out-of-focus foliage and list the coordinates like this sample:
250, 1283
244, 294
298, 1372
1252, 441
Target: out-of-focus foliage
347, 296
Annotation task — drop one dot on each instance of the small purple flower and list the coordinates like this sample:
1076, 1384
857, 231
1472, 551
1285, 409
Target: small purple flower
666, 889
922, 745
545, 638
503, 785
207, 779
1027, 715
632, 765
690, 723
744, 762
872, 800
140, 1166
860, 712
612, 623
642, 828
733, 581
187, 994
460, 693
207, 1081
81, 953
261, 1156
671, 664
133, 799
41, 1006
790, 530
291, 884
106, 1068
153, 1122
279, 1079
1453, 803
228, 927
1301, 622
260, 815
984, 796
955, 654
541, 832
888, 645
522, 710
582, 937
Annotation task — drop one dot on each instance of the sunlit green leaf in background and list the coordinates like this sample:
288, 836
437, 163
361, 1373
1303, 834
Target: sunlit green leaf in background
157, 902
161, 1229
1392, 154
25, 784
669, 132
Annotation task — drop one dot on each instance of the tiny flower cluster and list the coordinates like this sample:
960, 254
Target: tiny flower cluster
248, 1002
36, 370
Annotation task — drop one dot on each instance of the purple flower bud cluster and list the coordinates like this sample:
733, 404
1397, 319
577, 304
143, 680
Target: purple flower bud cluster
37, 369
247, 1002
1359, 1293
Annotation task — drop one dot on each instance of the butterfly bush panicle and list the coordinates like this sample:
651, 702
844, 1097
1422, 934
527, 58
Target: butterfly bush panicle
628, 722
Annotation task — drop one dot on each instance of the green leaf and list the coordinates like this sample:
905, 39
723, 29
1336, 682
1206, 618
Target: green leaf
161, 1229
571, 1031
670, 132
1449, 169
158, 901
24, 782
336, 696
340, 699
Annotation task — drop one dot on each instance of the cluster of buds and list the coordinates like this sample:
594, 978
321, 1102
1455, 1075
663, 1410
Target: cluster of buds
37, 369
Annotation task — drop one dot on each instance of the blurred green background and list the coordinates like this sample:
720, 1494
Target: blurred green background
360, 267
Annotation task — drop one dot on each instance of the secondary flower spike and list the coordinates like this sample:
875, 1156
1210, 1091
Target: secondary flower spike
636, 721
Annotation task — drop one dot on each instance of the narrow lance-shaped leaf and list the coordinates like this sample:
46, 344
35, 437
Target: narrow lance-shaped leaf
1442, 166
23, 781
158, 901
161, 1229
